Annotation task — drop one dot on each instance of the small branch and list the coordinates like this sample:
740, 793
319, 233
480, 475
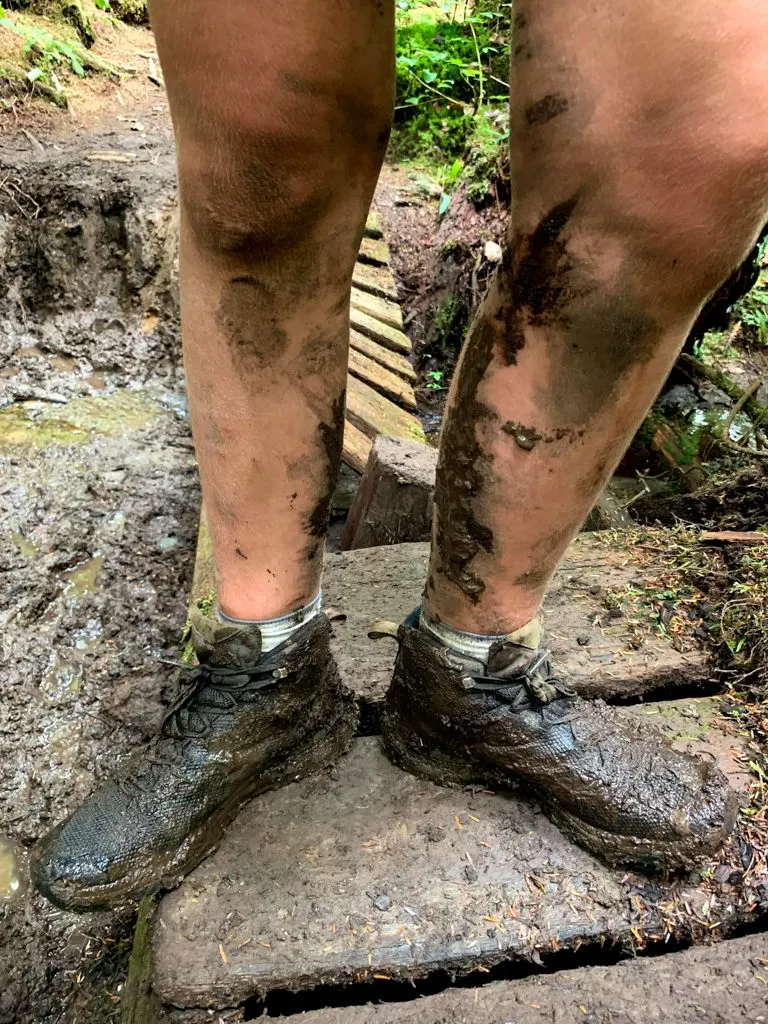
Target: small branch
755, 386
481, 97
437, 92
757, 412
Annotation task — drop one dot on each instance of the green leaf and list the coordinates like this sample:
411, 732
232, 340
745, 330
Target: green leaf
455, 170
445, 202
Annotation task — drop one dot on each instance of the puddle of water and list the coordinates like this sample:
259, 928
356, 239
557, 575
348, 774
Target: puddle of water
64, 743
13, 872
82, 579
61, 679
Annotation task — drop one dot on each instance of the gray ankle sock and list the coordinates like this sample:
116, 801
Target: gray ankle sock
276, 631
478, 645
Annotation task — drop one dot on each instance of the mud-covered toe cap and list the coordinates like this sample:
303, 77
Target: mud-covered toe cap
107, 847
711, 816
643, 829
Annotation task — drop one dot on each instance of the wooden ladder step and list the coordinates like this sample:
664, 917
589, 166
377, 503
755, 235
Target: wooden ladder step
375, 280
384, 381
373, 414
357, 447
374, 251
387, 336
386, 357
384, 310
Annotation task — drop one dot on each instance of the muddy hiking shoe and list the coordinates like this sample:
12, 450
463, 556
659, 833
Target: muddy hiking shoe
241, 724
616, 788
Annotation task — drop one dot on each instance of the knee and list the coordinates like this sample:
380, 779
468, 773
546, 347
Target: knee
245, 192
251, 186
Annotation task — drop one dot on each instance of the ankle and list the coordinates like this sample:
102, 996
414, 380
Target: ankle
276, 631
478, 645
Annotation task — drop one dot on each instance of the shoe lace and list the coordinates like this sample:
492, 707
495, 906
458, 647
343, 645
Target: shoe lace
535, 687
183, 722
228, 684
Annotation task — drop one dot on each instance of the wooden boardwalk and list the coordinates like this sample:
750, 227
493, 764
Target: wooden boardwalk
380, 395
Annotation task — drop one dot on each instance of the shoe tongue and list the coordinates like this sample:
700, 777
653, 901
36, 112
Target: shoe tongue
224, 644
512, 655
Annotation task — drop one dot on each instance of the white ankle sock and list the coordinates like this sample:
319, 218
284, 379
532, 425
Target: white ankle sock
276, 631
478, 645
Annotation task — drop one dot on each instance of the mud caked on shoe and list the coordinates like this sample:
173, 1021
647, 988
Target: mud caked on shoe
615, 787
243, 724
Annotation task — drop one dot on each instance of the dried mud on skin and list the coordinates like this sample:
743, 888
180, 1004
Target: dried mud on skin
98, 504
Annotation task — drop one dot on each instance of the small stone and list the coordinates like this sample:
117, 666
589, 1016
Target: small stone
493, 252
583, 639
382, 902
723, 873
470, 874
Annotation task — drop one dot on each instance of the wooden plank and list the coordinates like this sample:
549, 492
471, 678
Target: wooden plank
376, 280
385, 310
384, 381
721, 982
373, 227
375, 415
357, 447
374, 251
387, 336
137, 1005
384, 356
393, 503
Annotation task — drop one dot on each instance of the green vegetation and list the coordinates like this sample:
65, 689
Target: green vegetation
752, 312
452, 92
54, 40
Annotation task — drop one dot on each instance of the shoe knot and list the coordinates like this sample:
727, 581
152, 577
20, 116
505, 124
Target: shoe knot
538, 686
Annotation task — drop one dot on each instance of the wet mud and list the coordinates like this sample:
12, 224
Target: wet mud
463, 470
99, 502
546, 109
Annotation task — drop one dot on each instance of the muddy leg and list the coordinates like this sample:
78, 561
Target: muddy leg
281, 115
639, 138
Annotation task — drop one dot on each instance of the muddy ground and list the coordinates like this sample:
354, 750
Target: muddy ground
98, 502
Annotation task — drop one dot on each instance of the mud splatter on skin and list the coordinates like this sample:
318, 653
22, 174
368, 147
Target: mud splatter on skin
246, 316
330, 440
542, 269
526, 437
529, 437
240, 554
546, 109
521, 47
464, 467
545, 555
602, 340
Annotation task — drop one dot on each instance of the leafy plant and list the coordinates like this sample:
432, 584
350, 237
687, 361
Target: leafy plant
752, 311
446, 55
435, 380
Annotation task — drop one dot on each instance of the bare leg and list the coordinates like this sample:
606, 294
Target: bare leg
282, 115
640, 178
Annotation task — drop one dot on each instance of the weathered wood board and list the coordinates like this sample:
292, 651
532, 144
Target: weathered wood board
603, 656
385, 401
725, 982
369, 872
